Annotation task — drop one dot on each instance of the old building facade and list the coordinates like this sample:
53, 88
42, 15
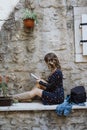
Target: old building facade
22, 52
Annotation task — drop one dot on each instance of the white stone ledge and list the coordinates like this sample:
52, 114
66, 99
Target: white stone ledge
35, 106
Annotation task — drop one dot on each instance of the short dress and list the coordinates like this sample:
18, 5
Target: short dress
54, 92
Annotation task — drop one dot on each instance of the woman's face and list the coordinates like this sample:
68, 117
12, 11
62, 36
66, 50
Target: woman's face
50, 64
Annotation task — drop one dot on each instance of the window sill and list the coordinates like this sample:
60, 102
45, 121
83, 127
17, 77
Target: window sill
35, 106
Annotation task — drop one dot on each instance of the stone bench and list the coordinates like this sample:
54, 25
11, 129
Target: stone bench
36, 116
35, 106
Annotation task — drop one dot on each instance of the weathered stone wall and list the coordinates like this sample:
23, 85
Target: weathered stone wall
22, 51
43, 120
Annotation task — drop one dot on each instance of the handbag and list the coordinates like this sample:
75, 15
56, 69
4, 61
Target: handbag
78, 94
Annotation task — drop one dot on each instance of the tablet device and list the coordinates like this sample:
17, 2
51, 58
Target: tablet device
34, 76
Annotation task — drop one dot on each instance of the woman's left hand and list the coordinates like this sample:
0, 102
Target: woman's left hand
37, 83
38, 80
41, 80
40, 86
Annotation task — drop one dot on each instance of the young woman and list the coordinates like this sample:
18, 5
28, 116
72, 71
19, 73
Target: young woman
50, 91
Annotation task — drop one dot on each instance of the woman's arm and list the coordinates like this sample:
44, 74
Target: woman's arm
54, 80
47, 85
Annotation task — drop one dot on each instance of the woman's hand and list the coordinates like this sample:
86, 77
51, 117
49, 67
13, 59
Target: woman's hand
38, 80
40, 86
37, 84
41, 80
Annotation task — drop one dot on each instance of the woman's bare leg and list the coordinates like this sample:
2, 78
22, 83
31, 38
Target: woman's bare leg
29, 94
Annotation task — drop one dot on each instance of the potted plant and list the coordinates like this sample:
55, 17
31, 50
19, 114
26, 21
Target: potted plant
29, 18
5, 100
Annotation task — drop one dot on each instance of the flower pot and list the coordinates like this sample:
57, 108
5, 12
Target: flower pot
29, 23
6, 101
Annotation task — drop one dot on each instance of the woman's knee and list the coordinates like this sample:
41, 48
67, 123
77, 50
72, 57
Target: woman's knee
38, 92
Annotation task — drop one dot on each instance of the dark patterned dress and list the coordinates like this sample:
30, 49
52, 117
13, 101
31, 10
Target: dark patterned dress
54, 93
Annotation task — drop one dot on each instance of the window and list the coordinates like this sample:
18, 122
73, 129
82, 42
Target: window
80, 28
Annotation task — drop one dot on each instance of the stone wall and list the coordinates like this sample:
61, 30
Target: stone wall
22, 50
43, 120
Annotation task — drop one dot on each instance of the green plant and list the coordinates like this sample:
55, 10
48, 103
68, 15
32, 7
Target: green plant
29, 14
4, 86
